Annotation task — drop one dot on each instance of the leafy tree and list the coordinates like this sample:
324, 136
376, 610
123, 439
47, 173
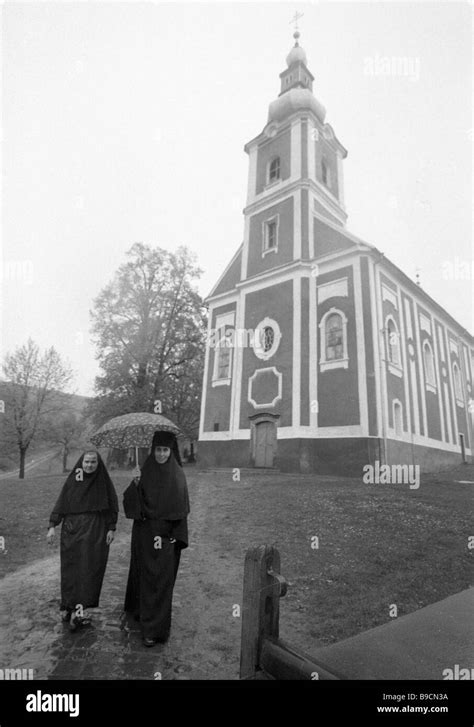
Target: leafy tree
35, 380
149, 326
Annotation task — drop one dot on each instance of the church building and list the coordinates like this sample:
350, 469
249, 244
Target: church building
322, 355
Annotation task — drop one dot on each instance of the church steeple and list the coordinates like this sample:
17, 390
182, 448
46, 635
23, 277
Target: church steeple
297, 74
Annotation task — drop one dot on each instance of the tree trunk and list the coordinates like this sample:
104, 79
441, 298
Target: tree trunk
21, 475
65, 454
191, 457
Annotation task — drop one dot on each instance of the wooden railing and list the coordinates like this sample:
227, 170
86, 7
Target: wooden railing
263, 654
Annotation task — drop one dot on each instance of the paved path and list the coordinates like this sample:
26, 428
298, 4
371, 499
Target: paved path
204, 642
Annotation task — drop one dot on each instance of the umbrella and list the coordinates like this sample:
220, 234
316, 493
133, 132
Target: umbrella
132, 430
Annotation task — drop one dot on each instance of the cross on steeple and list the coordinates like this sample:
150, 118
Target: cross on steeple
295, 19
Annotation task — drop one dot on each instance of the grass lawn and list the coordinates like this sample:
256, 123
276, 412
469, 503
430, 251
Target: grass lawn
378, 544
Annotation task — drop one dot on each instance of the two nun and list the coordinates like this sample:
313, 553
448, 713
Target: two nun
158, 503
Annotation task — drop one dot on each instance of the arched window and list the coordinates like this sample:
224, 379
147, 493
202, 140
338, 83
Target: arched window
457, 382
398, 418
428, 360
333, 328
393, 342
223, 357
223, 362
325, 173
334, 337
274, 170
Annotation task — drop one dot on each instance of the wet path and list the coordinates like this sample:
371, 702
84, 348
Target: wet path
205, 636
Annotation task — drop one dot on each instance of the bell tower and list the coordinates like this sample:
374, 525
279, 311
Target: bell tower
295, 174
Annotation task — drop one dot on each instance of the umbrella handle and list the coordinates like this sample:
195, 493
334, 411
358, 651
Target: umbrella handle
136, 456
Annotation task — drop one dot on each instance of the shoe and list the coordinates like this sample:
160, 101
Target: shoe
77, 621
149, 642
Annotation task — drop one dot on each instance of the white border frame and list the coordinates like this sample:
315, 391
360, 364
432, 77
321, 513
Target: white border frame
254, 376
339, 363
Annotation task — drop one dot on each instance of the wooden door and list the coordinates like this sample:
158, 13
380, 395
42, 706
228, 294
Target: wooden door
264, 444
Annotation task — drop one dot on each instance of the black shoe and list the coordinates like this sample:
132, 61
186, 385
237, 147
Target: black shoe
149, 642
77, 621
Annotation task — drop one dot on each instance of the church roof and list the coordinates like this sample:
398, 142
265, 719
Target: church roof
230, 277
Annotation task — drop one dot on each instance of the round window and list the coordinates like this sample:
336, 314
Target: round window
267, 338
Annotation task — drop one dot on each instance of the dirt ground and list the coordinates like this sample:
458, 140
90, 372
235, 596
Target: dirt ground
377, 545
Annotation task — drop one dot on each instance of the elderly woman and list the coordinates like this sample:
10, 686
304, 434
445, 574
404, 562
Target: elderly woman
158, 502
87, 506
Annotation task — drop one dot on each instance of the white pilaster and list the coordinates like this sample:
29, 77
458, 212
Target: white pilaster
296, 408
297, 225
237, 382
252, 175
295, 150
313, 352
361, 361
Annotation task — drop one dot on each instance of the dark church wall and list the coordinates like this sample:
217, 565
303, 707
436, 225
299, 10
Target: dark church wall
278, 146
344, 457
324, 151
305, 408
276, 302
217, 411
338, 389
258, 263
412, 345
442, 353
328, 240
395, 383
232, 276
369, 324
232, 453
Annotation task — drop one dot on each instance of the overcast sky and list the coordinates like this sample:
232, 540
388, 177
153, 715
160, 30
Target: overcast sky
125, 122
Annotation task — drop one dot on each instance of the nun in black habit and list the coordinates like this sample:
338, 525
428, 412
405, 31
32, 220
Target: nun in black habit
158, 502
88, 509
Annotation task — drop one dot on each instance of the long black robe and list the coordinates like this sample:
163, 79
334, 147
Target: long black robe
155, 558
88, 509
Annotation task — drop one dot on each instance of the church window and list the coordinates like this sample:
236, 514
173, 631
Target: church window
270, 235
274, 170
428, 360
223, 363
393, 342
325, 173
222, 371
398, 418
334, 337
457, 383
267, 338
333, 328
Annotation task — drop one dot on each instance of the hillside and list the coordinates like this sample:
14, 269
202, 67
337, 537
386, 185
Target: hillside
8, 453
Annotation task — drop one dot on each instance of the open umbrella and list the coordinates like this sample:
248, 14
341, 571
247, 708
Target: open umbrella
132, 430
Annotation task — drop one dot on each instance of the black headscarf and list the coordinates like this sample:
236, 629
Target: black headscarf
163, 487
94, 492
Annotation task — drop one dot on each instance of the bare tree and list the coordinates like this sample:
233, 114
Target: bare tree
67, 431
34, 381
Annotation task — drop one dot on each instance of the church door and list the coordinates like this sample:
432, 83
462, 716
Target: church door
265, 439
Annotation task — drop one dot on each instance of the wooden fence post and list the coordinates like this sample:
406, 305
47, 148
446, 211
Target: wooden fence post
262, 589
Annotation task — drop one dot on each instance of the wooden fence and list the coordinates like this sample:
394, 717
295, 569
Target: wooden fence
263, 654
